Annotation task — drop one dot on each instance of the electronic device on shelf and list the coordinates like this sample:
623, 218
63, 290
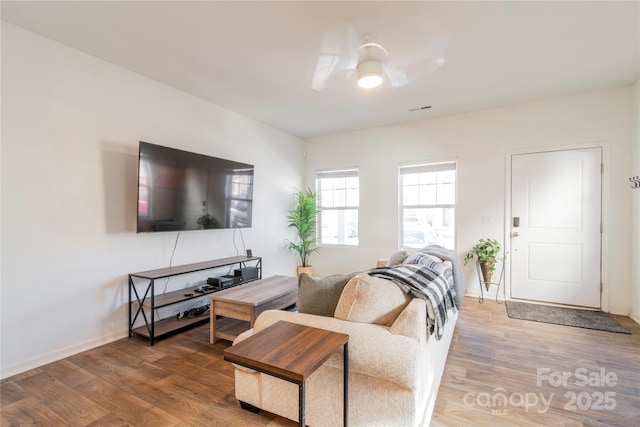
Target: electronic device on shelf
246, 273
194, 312
219, 282
205, 288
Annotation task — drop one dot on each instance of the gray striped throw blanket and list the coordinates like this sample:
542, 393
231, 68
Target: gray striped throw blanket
429, 282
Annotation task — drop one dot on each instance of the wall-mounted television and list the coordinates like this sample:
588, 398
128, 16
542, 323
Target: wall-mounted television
180, 190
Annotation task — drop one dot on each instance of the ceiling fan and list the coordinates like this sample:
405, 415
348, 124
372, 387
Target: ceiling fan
347, 65
369, 68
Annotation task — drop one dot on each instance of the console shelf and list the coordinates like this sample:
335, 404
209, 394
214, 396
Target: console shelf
143, 300
169, 325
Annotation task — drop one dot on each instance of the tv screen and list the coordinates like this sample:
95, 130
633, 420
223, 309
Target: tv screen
180, 190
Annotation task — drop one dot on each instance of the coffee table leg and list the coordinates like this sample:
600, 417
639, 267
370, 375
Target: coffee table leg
212, 322
346, 383
301, 404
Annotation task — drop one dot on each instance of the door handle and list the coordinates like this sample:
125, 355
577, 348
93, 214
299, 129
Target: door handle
515, 234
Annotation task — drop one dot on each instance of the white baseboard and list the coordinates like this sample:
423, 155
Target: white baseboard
53, 356
635, 317
623, 311
486, 296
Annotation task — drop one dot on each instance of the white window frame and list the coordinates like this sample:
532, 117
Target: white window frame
337, 173
418, 168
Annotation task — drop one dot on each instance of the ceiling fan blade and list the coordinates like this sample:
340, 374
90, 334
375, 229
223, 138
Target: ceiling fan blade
326, 67
397, 78
342, 82
338, 54
435, 48
423, 62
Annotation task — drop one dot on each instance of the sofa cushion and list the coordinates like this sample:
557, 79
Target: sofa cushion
397, 258
320, 295
369, 299
432, 261
421, 258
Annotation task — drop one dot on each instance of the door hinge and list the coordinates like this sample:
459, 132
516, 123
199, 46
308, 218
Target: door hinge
601, 228
601, 287
601, 167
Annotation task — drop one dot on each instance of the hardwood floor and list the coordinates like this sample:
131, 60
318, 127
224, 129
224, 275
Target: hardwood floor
492, 355
183, 381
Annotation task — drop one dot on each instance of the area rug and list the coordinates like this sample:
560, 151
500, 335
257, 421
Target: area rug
588, 319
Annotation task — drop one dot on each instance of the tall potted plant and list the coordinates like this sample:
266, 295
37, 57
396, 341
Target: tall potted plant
486, 250
303, 218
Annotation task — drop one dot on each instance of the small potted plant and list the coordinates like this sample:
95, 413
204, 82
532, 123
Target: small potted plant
206, 221
303, 218
486, 250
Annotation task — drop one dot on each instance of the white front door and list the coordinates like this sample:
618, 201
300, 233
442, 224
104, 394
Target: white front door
556, 226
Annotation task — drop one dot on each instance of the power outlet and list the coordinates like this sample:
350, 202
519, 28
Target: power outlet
487, 219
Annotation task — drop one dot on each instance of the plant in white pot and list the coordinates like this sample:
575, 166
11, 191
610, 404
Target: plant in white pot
486, 250
303, 218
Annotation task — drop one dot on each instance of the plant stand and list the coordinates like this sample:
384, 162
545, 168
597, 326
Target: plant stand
483, 283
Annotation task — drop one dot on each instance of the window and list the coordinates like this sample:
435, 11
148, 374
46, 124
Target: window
338, 198
427, 205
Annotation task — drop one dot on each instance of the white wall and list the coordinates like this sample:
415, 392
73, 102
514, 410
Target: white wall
70, 131
635, 209
480, 142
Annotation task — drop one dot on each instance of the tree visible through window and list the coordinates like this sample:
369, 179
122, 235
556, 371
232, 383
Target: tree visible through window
427, 205
338, 194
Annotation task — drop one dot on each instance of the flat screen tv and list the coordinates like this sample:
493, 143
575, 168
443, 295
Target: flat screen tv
181, 190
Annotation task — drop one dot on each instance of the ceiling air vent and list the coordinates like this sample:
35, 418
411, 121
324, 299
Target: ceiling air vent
426, 107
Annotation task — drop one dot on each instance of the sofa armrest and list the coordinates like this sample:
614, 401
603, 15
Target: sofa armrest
373, 349
412, 321
243, 336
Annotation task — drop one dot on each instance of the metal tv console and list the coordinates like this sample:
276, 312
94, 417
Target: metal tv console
143, 300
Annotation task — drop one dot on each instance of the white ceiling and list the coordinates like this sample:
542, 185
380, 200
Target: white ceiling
259, 58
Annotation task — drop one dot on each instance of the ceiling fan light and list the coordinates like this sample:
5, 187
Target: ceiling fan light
370, 81
369, 74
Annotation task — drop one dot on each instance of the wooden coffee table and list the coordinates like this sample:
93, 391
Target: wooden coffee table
240, 305
292, 352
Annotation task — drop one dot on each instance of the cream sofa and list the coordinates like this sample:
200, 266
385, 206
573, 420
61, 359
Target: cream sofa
395, 367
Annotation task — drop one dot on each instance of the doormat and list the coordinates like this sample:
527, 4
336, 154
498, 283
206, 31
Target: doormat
587, 319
